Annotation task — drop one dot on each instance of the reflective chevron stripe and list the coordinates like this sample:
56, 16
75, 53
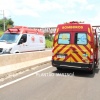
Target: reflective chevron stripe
70, 56
80, 53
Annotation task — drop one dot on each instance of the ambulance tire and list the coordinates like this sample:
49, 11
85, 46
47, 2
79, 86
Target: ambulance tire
92, 70
96, 64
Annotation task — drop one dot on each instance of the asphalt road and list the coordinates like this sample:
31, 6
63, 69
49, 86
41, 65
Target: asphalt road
50, 84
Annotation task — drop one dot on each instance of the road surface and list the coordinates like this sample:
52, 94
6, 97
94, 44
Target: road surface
47, 83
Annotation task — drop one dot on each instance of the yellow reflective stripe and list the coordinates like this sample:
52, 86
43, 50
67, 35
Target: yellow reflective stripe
55, 44
68, 60
72, 60
61, 59
56, 37
89, 38
84, 49
65, 49
77, 58
88, 30
78, 49
57, 49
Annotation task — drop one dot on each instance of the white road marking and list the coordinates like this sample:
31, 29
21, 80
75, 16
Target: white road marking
19, 79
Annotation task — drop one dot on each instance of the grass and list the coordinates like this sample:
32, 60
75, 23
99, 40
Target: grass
49, 43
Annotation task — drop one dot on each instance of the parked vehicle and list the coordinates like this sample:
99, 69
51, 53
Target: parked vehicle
75, 46
21, 39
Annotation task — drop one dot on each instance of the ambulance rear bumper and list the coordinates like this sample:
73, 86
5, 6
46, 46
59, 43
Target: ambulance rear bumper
70, 65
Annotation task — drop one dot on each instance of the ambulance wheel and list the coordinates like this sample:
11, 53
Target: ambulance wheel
96, 64
92, 71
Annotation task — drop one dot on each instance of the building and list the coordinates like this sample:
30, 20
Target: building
48, 30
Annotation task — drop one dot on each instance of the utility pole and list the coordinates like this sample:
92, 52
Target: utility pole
3, 19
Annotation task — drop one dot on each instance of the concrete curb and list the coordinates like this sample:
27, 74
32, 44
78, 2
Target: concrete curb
5, 74
9, 59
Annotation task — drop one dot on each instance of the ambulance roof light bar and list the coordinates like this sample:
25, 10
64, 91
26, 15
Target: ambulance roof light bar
76, 22
13, 30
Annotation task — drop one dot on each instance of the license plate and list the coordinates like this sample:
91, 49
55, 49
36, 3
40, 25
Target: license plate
60, 56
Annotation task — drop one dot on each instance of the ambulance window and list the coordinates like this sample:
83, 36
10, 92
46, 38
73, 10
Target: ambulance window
64, 38
24, 37
81, 38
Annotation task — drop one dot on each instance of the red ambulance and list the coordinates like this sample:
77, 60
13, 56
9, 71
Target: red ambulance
75, 46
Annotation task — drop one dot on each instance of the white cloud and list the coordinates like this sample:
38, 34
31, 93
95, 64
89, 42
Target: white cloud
17, 8
25, 11
41, 6
34, 7
71, 12
64, 9
28, 7
90, 7
94, 20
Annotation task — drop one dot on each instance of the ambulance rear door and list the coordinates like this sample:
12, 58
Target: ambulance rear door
81, 48
62, 47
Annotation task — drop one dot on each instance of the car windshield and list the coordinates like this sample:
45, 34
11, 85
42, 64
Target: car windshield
9, 37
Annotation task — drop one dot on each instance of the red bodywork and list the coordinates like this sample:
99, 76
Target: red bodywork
91, 49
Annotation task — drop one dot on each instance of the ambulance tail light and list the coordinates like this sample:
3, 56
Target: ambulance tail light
91, 56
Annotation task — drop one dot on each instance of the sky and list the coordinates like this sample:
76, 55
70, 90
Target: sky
50, 13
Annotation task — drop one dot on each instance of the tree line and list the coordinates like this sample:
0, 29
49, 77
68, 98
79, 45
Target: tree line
8, 23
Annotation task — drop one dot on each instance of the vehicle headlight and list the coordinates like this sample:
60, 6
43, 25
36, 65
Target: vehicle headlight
8, 50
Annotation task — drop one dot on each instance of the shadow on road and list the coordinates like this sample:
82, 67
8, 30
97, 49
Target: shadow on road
76, 73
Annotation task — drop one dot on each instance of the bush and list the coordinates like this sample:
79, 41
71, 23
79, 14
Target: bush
49, 40
49, 43
1, 32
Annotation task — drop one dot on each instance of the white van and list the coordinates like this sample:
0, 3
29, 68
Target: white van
21, 39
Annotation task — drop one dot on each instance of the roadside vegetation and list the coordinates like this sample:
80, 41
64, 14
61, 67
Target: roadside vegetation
8, 24
49, 40
1, 32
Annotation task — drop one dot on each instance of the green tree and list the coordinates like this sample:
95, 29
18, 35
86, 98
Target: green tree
1, 24
8, 22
